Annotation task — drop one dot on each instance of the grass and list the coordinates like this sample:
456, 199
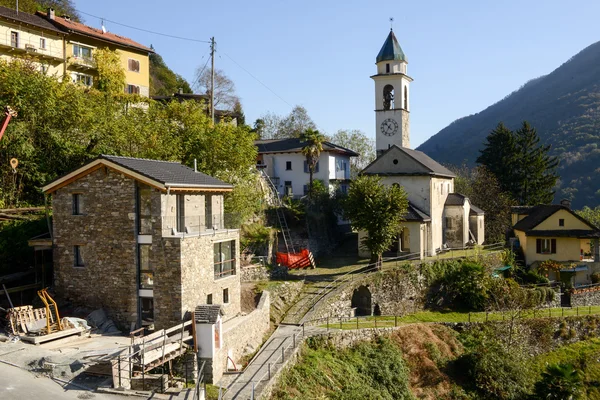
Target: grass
454, 317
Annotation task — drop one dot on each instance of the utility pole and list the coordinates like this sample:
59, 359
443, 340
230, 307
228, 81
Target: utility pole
212, 79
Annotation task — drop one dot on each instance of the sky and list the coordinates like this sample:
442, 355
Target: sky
463, 55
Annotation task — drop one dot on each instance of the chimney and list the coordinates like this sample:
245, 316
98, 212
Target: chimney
180, 90
66, 17
51, 15
566, 203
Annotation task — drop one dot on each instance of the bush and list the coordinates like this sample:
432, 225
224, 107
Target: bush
463, 287
595, 277
560, 381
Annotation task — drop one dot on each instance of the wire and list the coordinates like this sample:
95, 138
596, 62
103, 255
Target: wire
258, 80
145, 30
201, 71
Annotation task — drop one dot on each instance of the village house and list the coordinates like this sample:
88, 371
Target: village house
285, 165
147, 240
437, 218
555, 232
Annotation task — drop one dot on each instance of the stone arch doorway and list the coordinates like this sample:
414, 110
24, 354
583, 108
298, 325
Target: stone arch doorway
405, 239
361, 300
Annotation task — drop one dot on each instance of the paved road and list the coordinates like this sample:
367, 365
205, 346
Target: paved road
19, 384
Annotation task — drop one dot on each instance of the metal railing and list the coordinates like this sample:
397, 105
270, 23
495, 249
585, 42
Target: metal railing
32, 46
192, 225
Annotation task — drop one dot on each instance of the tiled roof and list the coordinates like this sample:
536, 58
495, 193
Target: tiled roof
391, 50
293, 145
167, 172
27, 18
208, 313
435, 167
415, 214
69, 25
455, 199
540, 213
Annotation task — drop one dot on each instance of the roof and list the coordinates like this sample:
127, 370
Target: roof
208, 313
572, 233
476, 210
77, 27
161, 174
433, 167
537, 214
26, 18
391, 49
415, 214
183, 96
295, 145
455, 199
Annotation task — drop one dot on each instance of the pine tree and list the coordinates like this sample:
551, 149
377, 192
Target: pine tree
499, 156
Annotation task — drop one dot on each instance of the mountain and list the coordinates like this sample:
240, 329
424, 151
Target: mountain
564, 107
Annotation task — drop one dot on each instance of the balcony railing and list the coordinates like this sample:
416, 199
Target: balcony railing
197, 224
84, 62
32, 46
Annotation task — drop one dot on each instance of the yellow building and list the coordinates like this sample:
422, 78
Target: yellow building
25, 35
555, 232
81, 42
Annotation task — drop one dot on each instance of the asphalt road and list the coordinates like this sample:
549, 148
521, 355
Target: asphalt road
19, 384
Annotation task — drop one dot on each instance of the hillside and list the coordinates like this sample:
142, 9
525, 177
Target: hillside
564, 106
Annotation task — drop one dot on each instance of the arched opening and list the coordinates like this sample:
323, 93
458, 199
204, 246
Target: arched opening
388, 97
361, 300
406, 97
376, 309
405, 239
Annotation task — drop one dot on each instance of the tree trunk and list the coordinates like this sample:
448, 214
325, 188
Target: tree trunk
376, 260
310, 181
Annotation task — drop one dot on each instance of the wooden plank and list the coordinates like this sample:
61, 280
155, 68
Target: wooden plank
157, 354
149, 338
53, 336
177, 327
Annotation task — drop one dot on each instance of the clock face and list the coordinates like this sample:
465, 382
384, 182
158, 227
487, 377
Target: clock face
389, 127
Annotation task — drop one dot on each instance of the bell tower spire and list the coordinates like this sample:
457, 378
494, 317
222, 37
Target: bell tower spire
392, 106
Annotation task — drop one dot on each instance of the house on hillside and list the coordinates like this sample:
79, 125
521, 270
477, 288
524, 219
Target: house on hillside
437, 218
555, 232
283, 162
147, 240
24, 35
81, 42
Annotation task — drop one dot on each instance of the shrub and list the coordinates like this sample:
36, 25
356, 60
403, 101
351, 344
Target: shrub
595, 277
560, 381
465, 286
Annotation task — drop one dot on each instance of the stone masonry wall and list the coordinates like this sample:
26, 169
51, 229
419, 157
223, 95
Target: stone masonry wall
586, 297
106, 233
197, 273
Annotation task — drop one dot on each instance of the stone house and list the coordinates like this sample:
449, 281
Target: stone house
147, 240
555, 232
437, 217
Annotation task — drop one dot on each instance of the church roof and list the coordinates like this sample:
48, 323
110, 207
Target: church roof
391, 50
426, 165
413, 213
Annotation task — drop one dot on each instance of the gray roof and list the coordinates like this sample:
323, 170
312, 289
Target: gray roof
415, 214
27, 18
476, 210
167, 172
537, 214
455, 199
293, 145
428, 162
208, 313
391, 50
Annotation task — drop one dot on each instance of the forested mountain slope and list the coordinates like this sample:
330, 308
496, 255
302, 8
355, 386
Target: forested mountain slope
564, 106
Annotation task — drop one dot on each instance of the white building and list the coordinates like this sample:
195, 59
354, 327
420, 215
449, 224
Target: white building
437, 217
286, 166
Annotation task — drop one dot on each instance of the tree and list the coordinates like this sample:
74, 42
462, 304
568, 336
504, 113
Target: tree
377, 210
312, 146
163, 81
225, 97
357, 141
111, 75
560, 381
591, 214
273, 126
483, 190
61, 7
522, 166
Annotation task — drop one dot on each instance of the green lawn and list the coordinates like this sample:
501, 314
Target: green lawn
436, 316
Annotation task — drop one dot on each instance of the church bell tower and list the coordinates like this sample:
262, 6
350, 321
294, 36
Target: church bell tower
392, 93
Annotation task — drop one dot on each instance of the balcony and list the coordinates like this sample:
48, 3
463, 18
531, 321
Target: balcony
82, 63
23, 47
194, 225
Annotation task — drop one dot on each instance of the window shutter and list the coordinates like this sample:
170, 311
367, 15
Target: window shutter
538, 246
317, 167
553, 246
305, 166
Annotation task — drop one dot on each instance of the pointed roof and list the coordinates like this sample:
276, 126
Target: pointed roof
413, 163
391, 50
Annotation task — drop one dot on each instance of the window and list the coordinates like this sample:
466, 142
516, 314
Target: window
144, 209
288, 165
406, 97
208, 217
84, 52
147, 310
14, 39
83, 79
308, 170
224, 258
225, 296
180, 212
132, 89
287, 188
133, 65
146, 272
76, 202
77, 256
545, 246
448, 223
561, 222
387, 68
43, 43
209, 298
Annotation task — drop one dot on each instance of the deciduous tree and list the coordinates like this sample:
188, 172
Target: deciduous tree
357, 141
225, 97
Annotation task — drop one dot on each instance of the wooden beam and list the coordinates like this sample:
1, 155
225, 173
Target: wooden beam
21, 210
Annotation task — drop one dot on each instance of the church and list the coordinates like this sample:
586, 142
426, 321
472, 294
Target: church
437, 218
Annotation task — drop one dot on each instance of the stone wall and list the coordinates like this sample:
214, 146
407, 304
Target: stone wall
252, 273
106, 235
586, 297
283, 297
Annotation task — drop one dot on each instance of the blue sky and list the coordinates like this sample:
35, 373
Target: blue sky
463, 55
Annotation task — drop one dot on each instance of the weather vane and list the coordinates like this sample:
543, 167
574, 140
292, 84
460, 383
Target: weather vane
391, 23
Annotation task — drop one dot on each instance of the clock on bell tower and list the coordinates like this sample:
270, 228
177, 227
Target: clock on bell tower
391, 96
